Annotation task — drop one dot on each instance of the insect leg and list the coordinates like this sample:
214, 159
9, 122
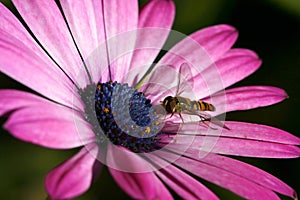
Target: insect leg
181, 117
204, 120
216, 122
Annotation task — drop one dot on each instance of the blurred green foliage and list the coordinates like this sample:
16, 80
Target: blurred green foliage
270, 27
288, 6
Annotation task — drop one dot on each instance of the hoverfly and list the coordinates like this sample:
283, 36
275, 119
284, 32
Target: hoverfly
178, 104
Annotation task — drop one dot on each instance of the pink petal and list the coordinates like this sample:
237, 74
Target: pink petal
121, 159
141, 185
249, 97
238, 130
48, 25
120, 17
73, 177
246, 171
201, 48
102, 21
50, 125
157, 13
234, 66
227, 179
85, 18
14, 99
155, 20
183, 184
241, 147
16, 45
259, 132
216, 39
251, 148
9, 24
136, 184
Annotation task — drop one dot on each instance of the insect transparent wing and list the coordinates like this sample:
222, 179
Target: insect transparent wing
161, 82
185, 86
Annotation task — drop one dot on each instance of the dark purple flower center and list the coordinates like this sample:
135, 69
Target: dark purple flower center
126, 117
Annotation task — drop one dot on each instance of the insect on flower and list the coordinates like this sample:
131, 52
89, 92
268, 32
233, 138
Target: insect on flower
94, 93
179, 104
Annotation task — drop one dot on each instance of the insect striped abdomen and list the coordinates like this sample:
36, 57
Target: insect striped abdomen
206, 106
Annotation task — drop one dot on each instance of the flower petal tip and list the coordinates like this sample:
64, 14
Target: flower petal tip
232, 31
297, 151
227, 27
286, 96
258, 61
224, 28
255, 56
295, 195
281, 92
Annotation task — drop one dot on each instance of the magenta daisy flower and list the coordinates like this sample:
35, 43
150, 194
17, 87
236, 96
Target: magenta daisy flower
92, 65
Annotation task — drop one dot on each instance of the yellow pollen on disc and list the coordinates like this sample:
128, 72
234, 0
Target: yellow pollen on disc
147, 130
106, 110
98, 87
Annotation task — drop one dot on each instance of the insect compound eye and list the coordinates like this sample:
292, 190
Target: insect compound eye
168, 98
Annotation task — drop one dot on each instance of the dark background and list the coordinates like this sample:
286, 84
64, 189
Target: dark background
269, 27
